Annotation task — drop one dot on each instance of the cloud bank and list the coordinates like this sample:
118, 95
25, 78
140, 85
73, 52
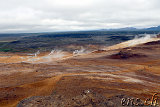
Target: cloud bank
68, 15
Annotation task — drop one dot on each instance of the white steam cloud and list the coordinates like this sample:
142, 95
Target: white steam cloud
141, 40
55, 54
82, 51
52, 56
134, 42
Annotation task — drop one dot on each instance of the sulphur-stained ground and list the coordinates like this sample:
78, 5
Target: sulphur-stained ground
98, 79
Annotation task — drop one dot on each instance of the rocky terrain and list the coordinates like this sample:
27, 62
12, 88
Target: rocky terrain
102, 78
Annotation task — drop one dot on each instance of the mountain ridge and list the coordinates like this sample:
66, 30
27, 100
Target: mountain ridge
156, 28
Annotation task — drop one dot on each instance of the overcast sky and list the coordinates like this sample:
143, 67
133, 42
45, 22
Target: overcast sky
67, 15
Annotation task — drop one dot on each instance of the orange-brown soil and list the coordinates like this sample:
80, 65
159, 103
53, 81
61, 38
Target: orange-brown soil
134, 76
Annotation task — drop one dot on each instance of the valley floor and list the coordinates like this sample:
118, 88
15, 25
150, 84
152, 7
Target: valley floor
133, 72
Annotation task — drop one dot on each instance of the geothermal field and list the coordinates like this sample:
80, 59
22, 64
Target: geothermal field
88, 73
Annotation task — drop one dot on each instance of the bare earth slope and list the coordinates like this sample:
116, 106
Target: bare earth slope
108, 76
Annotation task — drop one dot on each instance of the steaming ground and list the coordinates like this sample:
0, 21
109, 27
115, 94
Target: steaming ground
134, 42
56, 55
68, 74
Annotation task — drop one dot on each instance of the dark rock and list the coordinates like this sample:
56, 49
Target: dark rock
125, 54
87, 99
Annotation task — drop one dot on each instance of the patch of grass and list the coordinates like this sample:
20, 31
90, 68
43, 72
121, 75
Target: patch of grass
6, 50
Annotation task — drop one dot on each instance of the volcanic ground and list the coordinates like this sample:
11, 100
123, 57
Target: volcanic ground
97, 79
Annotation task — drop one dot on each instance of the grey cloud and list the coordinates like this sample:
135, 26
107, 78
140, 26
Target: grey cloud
62, 15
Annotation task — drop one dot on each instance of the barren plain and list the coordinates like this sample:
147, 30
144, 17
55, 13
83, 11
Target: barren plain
108, 75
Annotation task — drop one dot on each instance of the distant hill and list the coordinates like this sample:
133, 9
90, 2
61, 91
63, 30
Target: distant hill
134, 29
153, 28
121, 29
